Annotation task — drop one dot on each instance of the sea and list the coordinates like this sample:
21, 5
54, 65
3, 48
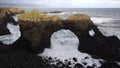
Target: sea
107, 19
64, 43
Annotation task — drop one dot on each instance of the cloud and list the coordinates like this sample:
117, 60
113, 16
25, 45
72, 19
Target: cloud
62, 3
26, 3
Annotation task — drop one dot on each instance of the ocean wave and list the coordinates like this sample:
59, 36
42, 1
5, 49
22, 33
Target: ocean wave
99, 20
109, 31
96, 20
63, 13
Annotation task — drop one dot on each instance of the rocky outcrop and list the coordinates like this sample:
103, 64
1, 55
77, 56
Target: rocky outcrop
13, 11
34, 25
6, 17
37, 27
56, 12
100, 46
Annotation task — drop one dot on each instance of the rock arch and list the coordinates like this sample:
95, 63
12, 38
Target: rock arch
36, 33
40, 33
64, 37
39, 30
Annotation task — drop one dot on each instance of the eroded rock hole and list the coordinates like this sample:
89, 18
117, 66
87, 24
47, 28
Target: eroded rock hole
64, 38
64, 51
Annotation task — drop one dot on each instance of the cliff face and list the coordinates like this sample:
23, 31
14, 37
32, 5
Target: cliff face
6, 17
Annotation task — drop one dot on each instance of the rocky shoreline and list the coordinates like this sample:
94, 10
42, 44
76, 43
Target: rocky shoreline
36, 29
6, 17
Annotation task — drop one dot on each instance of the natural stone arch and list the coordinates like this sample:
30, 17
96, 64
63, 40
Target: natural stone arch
39, 32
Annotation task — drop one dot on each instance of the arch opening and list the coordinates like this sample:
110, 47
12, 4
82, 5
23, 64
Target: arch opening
64, 38
64, 46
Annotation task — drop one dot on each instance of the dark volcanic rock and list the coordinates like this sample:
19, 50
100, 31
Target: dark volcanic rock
78, 65
3, 29
3, 24
18, 44
100, 46
6, 17
110, 65
55, 12
18, 55
19, 59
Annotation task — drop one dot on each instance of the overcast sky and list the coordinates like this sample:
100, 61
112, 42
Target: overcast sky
62, 3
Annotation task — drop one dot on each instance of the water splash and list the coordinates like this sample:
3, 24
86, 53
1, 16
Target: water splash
64, 45
11, 38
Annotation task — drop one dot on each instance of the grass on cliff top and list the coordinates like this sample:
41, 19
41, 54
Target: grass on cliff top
10, 10
16, 10
79, 17
34, 16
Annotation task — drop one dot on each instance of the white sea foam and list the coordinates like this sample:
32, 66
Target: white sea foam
64, 15
11, 38
91, 32
118, 63
15, 17
109, 31
98, 20
64, 45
